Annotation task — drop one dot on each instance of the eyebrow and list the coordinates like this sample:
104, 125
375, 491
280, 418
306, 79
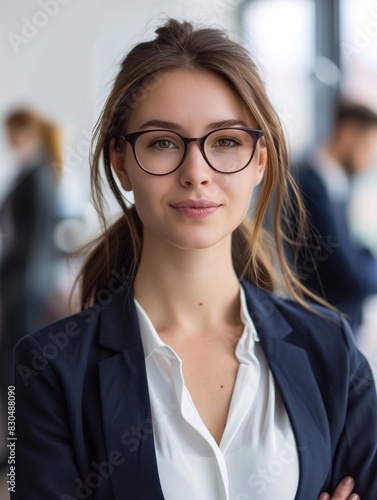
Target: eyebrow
211, 126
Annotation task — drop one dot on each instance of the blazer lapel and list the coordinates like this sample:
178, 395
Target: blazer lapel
125, 401
298, 388
126, 407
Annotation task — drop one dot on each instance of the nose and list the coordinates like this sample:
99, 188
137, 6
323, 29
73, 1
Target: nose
195, 170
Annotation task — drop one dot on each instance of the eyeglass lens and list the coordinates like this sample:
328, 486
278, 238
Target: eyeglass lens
227, 150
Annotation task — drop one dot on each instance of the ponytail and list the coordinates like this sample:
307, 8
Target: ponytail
117, 250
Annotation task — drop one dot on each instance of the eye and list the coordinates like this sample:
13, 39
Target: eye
226, 142
163, 144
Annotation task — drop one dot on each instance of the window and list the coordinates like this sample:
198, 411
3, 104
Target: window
281, 35
359, 62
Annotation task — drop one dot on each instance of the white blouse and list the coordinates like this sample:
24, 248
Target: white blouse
257, 457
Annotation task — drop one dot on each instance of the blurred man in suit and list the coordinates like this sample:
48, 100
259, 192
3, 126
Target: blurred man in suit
337, 266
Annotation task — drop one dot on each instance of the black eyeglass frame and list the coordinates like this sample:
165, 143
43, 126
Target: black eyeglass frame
133, 137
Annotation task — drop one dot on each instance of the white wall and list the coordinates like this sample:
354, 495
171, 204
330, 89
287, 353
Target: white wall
61, 56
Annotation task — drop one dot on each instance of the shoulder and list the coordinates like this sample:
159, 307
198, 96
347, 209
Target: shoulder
308, 179
323, 335
65, 342
313, 312
79, 342
322, 323
314, 328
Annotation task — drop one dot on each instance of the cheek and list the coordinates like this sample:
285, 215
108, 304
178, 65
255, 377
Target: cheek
368, 152
148, 194
140, 192
362, 157
240, 186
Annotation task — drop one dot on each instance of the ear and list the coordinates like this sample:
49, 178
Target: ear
262, 161
117, 159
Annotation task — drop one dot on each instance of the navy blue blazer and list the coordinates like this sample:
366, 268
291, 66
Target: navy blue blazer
341, 269
83, 417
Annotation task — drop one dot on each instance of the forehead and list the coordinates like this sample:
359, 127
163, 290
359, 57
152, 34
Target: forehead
190, 98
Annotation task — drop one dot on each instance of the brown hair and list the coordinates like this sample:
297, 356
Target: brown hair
50, 133
179, 45
357, 113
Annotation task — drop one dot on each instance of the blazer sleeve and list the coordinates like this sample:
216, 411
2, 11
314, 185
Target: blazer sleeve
45, 461
356, 453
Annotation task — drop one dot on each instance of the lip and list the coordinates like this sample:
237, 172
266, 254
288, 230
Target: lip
195, 209
195, 204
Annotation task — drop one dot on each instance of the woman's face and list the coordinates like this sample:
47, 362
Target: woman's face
26, 141
191, 103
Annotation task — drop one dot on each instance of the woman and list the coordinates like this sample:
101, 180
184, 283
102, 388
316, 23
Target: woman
184, 377
28, 256
27, 219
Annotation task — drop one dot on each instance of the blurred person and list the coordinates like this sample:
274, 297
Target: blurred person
337, 266
186, 376
27, 218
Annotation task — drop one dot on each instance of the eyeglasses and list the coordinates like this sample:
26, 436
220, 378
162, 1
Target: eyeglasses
226, 150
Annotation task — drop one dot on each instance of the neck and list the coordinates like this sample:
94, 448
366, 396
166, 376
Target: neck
190, 289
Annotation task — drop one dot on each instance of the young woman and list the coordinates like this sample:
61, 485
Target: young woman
184, 377
28, 254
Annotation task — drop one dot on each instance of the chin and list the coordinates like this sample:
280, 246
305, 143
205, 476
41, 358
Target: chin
193, 243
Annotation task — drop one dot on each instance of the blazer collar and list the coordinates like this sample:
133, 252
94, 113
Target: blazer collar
126, 406
119, 328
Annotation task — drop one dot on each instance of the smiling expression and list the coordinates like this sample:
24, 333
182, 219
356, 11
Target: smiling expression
194, 207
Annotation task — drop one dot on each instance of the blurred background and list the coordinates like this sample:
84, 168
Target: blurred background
59, 57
